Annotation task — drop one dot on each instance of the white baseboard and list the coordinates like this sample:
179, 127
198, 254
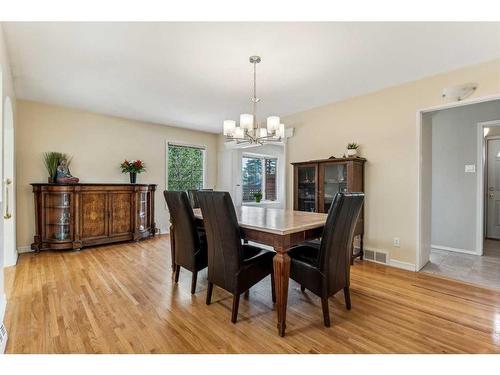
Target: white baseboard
457, 250
24, 249
403, 265
13, 262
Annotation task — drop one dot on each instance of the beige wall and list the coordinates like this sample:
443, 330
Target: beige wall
98, 144
384, 123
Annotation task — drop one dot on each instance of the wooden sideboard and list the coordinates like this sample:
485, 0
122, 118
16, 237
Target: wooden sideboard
73, 216
316, 182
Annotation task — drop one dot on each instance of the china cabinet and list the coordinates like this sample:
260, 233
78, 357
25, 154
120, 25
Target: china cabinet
72, 216
317, 181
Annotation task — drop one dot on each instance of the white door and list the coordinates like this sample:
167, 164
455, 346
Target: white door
9, 229
493, 189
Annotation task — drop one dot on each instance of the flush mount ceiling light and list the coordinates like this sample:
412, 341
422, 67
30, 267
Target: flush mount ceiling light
250, 130
460, 92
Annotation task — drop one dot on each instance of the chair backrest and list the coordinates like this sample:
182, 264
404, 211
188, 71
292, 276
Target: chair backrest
337, 240
193, 198
187, 242
223, 238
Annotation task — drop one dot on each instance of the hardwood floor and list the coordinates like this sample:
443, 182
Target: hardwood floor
121, 299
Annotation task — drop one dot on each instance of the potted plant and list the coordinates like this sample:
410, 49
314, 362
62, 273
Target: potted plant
133, 167
258, 196
352, 149
51, 160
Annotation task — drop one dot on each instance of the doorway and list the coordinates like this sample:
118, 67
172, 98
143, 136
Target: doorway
492, 181
9, 226
459, 204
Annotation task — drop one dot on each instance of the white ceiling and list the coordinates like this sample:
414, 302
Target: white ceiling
195, 75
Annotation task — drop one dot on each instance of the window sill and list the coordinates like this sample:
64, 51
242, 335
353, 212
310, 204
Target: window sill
263, 204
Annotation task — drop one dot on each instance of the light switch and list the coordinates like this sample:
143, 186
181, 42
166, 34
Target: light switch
470, 168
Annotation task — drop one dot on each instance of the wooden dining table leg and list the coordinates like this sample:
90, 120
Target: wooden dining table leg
281, 266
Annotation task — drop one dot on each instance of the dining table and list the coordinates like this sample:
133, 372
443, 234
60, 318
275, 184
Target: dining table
281, 229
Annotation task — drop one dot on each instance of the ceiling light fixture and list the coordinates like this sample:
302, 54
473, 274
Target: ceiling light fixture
250, 130
459, 92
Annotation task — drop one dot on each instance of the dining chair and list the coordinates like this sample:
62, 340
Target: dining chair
190, 241
233, 266
193, 199
325, 269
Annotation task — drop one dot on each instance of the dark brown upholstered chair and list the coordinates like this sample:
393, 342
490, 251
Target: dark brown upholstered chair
193, 199
190, 242
233, 266
324, 270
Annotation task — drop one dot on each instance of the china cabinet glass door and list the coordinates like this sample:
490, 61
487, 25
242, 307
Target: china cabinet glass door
307, 178
58, 217
334, 181
143, 210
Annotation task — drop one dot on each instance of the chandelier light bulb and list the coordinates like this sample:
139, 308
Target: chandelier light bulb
281, 131
238, 133
229, 126
262, 132
273, 123
246, 121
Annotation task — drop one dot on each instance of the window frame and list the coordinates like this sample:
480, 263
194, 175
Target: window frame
262, 158
201, 147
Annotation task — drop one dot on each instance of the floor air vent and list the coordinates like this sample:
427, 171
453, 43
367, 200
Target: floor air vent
369, 255
3, 338
376, 256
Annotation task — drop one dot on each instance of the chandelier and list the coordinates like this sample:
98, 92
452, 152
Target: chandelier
250, 130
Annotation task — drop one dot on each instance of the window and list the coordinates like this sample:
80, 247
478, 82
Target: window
186, 167
258, 174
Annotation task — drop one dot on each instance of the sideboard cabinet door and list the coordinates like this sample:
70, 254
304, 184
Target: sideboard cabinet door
121, 213
58, 217
93, 215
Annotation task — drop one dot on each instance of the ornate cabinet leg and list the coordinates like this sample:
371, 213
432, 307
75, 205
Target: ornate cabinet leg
281, 265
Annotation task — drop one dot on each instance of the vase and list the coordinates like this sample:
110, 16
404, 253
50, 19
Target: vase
133, 177
352, 152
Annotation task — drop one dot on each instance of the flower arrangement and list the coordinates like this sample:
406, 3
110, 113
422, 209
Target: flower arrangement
133, 166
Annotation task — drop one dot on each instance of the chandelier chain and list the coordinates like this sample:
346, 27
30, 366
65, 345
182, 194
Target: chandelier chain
255, 100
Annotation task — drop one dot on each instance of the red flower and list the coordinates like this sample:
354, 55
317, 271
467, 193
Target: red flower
133, 166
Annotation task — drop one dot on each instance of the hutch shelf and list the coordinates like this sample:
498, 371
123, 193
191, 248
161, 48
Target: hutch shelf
316, 182
73, 216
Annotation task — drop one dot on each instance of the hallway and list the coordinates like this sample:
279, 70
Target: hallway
482, 270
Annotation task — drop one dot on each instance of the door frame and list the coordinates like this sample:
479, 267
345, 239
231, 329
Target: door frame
9, 224
482, 174
422, 198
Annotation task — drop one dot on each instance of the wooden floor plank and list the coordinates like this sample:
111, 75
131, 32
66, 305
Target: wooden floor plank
122, 299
